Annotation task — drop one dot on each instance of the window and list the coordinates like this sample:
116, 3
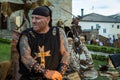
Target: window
118, 27
112, 26
3, 21
91, 27
104, 30
97, 26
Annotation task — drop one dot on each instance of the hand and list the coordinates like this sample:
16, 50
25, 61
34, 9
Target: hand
54, 75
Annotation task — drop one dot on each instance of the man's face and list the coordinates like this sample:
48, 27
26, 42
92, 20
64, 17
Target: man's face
40, 22
76, 21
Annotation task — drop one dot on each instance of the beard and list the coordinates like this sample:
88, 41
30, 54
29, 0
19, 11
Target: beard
38, 28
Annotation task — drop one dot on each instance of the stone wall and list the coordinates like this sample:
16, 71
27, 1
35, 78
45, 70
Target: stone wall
59, 13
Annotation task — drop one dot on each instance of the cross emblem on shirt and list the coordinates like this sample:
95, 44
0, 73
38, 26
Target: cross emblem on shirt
42, 56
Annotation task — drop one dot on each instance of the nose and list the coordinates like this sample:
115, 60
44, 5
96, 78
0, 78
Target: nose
33, 20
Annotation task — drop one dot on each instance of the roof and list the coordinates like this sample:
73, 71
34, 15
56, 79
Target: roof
116, 16
93, 17
86, 30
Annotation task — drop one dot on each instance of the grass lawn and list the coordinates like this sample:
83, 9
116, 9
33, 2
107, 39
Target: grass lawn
96, 65
5, 50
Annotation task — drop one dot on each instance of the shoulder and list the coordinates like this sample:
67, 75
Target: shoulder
57, 29
28, 33
27, 30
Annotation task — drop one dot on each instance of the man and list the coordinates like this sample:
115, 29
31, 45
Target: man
60, 23
80, 57
76, 29
43, 49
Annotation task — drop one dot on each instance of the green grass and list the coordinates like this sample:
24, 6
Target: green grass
5, 52
96, 65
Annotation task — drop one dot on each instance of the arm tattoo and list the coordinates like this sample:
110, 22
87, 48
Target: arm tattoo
64, 52
26, 58
64, 37
25, 52
64, 48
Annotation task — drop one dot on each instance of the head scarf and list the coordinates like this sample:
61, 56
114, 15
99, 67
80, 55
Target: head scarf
42, 11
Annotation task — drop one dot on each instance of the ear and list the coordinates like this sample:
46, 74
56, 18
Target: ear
48, 19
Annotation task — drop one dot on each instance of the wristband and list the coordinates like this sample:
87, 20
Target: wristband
36, 66
62, 68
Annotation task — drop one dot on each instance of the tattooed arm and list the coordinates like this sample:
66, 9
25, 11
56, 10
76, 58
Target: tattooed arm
64, 52
25, 52
26, 58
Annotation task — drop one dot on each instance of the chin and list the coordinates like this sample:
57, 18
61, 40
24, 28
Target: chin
35, 29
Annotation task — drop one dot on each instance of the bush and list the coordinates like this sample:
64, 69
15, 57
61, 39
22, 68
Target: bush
99, 57
3, 40
103, 49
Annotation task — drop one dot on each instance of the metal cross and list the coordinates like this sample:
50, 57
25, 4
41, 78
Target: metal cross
42, 55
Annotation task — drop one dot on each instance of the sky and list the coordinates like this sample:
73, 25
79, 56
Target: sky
103, 7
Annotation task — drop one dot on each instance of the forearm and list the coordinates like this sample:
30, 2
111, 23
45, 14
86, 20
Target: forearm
26, 58
65, 58
64, 63
64, 52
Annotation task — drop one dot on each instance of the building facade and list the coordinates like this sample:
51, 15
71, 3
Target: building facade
106, 26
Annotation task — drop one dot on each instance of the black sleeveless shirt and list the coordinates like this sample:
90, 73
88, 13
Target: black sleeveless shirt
50, 41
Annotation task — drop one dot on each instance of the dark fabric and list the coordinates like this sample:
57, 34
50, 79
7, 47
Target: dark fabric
76, 30
115, 58
30, 77
62, 68
42, 11
51, 42
68, 32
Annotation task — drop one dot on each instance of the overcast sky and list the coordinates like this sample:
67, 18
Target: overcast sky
103, 7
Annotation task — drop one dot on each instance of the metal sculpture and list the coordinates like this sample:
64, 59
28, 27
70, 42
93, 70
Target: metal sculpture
7, 7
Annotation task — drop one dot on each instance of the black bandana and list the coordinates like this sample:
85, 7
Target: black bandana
42, 11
